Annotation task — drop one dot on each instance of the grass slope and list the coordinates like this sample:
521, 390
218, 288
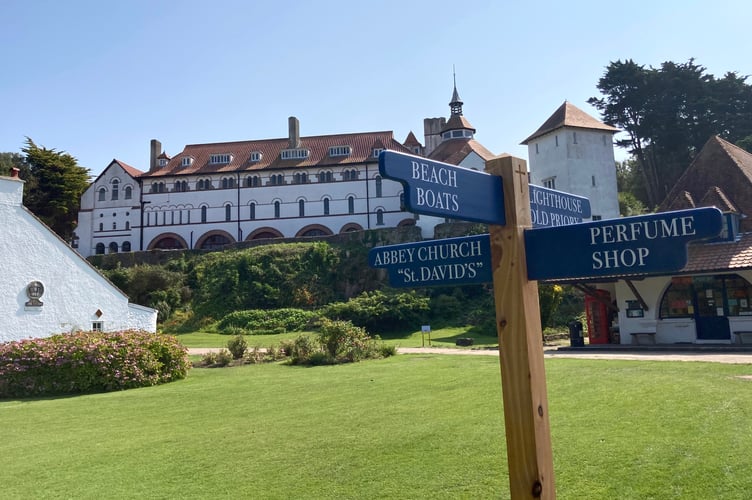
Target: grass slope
413, 426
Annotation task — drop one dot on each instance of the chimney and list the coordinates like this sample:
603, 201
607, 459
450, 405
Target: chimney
14, 173
294, 127
155, 150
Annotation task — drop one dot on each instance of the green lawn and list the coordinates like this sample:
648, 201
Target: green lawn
412, 426
444, 337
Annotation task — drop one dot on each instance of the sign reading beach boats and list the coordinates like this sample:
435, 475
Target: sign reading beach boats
444, 190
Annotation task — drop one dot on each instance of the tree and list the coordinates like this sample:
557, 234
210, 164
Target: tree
669, 113
59, 184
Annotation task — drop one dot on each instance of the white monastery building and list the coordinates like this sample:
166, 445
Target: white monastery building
211, 195
48, 288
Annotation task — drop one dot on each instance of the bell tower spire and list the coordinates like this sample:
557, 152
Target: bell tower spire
455, 106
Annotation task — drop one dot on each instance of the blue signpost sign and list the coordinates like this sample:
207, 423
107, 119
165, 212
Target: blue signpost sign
444, 190
452, 261
645, 244
552, 208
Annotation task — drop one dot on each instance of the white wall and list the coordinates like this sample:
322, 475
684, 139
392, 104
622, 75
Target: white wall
586, 168
73, 289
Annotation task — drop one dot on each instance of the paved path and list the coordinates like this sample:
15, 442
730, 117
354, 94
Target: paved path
648, 355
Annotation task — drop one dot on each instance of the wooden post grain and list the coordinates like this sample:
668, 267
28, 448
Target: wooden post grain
523, 377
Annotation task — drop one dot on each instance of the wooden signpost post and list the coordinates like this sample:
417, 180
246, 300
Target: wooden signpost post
513, 255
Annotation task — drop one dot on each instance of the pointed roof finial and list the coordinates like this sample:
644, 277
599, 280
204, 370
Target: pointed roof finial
456, 105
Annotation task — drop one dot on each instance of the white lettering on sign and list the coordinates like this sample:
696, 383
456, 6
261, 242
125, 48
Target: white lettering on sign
434, 175
557, 201
440, 272
635, 231
435, 198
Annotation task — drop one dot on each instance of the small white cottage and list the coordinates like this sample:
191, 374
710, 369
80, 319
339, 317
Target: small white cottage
47, 287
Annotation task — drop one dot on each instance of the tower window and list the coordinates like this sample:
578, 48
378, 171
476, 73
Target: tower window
550, 183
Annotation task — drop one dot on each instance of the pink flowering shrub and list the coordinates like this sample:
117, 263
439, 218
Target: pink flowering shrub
87, 362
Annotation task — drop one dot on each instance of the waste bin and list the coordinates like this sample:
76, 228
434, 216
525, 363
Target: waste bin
575, 334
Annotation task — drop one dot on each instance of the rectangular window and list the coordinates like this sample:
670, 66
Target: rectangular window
294, 154
186, 161
556, 138
550, 183
574, 137
256, 156
340, 151
221, 158
592, 179
97, 326
377, 152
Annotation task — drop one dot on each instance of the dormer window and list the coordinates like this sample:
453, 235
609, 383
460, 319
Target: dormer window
256, 156
377, 152
220, 158
163, 162
187, 161
340, 151
295, 154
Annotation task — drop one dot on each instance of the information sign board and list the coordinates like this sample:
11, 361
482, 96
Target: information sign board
452, 261
645, 244
444, 190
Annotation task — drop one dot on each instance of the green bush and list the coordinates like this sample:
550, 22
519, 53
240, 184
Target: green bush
302, 348
262, 321
87, 362
343, 341
237, 346
378, 311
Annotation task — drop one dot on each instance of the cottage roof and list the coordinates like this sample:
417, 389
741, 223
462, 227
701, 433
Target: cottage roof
569, 115
720, 175
411, 141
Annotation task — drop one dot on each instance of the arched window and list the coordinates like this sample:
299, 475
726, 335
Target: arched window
326, 206
301, 208
200, 185
252, 207
228, 212
128, 192
276, 210
101, 226
99, 249
203, 214
379, 217
126, 246
102, 194
113, 247
127, 225
378, 187
350, 204
115, 188
114, 226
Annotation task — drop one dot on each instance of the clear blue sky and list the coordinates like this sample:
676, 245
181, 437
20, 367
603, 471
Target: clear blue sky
99, 79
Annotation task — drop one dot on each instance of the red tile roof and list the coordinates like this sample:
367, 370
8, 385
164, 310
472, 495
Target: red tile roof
568, 115
457, 122
362, 145
411, 141
455, 150
721, 167
727, 256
